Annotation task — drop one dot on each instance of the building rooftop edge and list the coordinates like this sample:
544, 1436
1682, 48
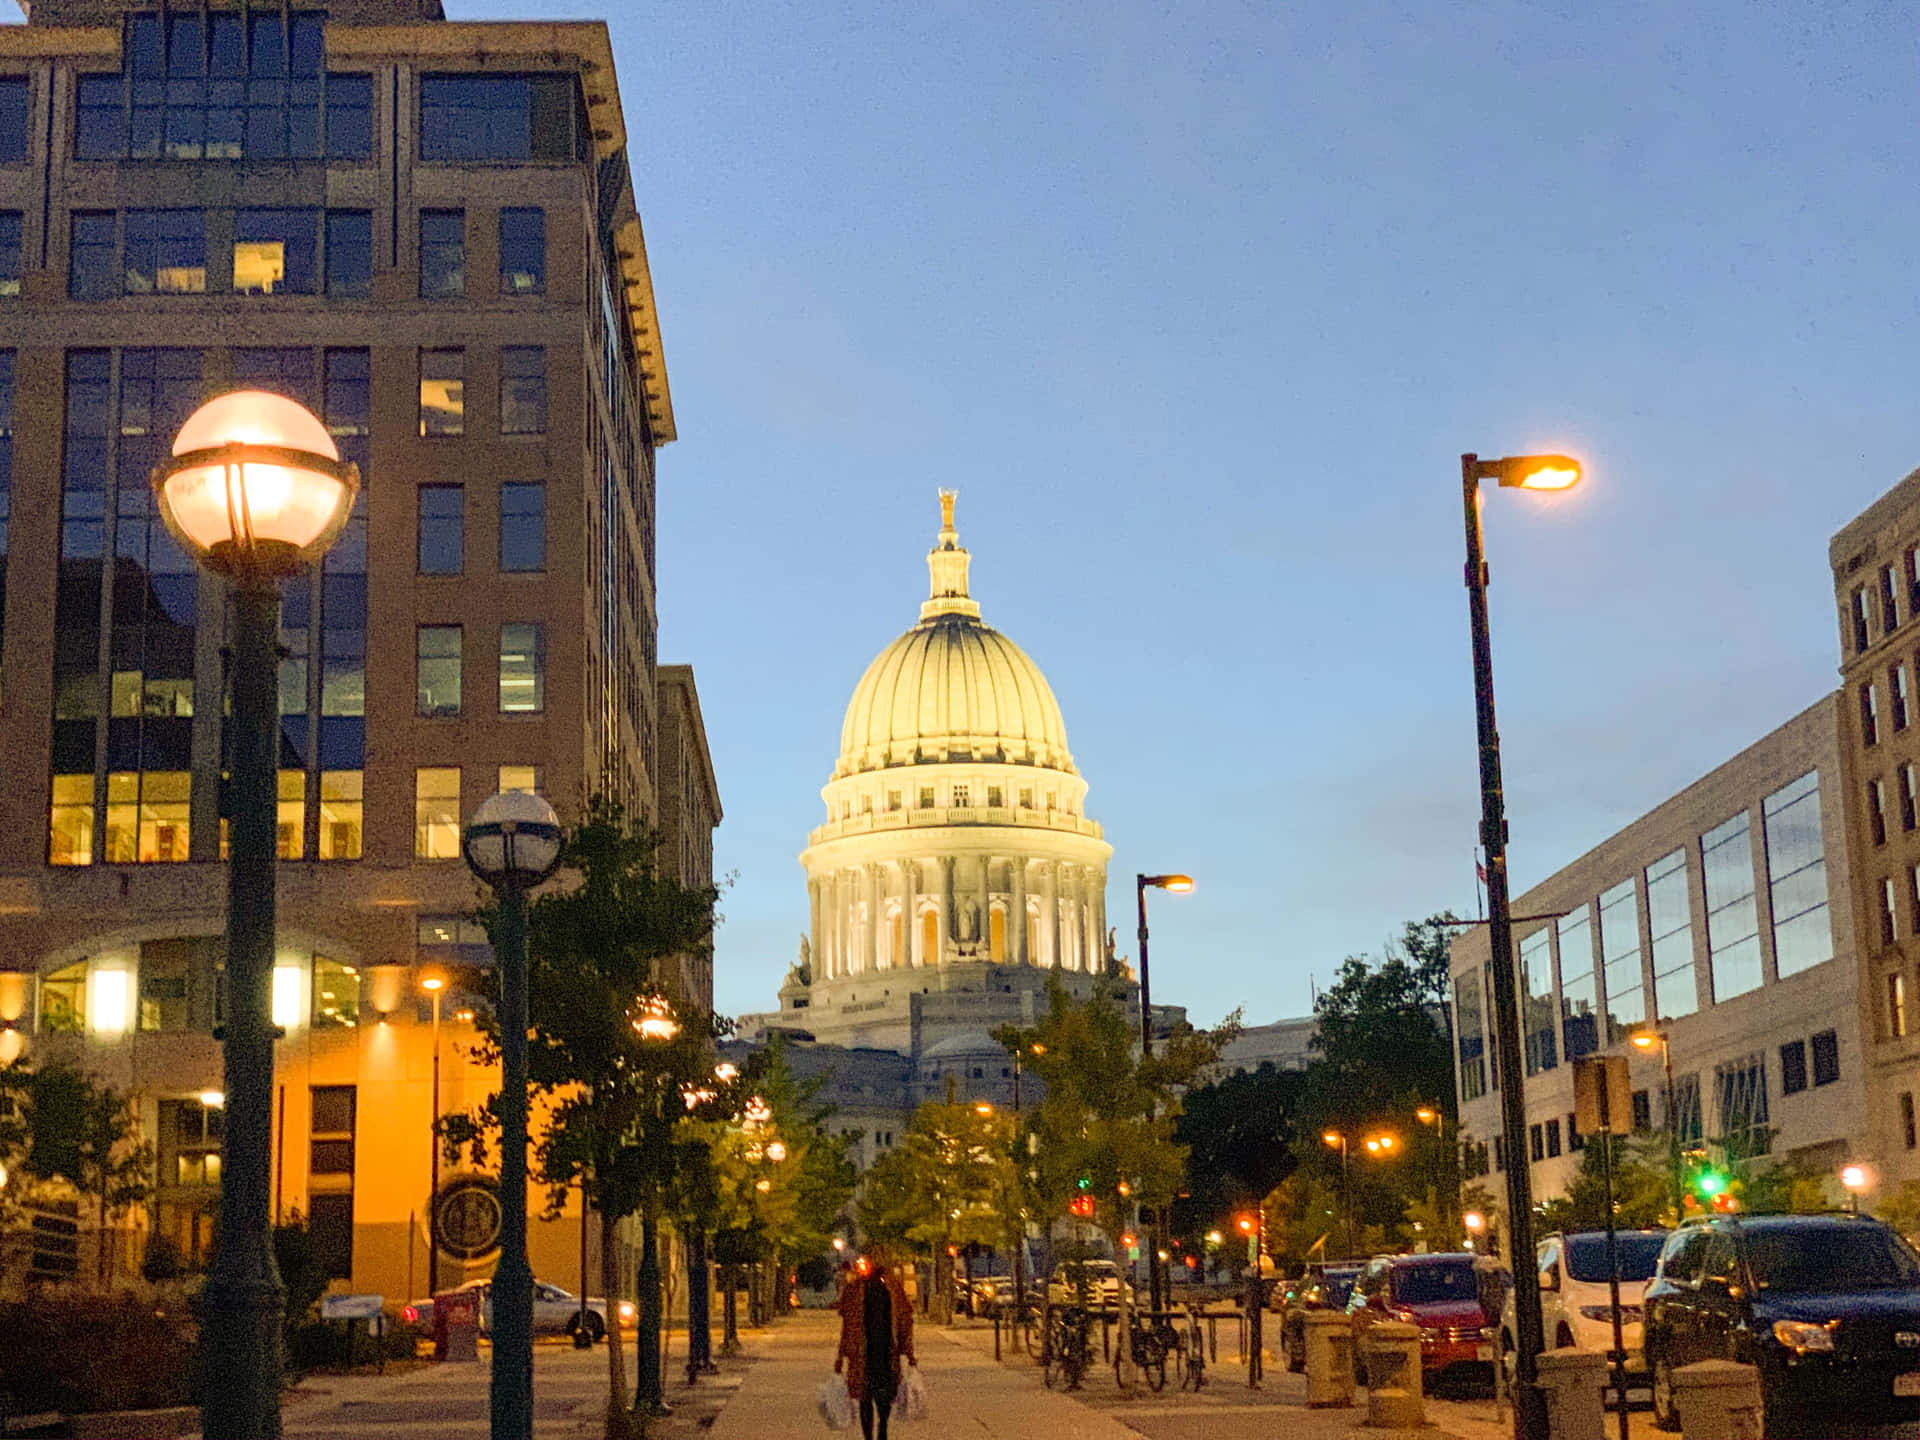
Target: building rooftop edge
1849, 537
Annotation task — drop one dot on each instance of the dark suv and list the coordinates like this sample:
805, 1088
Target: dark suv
1322, 1285
1827, 1306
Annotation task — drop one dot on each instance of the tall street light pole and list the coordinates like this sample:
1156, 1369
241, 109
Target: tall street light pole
1338, 1140
255, 491
1530, 472
1157, 1239
1644, 1040
434, 985
512, 844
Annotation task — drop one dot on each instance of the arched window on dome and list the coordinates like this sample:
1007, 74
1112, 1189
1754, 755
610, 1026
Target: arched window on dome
997, 935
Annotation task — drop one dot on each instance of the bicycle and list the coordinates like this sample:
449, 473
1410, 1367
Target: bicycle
1196, 1355
1149, 1350
1064, 1351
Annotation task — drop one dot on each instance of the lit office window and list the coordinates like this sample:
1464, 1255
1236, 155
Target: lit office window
436, 813
166, 252
523, 669
443, 392
276, 252
341, 808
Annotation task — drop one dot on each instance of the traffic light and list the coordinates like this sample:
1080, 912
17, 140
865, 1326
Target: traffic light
1081, 1207
1086, 1182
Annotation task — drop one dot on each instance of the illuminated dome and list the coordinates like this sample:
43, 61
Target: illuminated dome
952, 689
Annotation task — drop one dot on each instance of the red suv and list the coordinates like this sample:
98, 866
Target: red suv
1439, 1293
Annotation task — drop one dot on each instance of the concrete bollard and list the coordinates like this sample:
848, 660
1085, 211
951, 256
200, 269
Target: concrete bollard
1575, 1384
1718, 1400
1329, 1359
1393, 1376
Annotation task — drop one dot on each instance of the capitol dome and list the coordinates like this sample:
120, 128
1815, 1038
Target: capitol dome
952, 688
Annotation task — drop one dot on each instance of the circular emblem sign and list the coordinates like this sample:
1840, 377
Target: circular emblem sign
466, 1217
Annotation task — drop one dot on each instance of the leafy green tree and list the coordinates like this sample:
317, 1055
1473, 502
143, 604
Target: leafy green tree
606, 1054
1240, 1133
1642, 1193
1106, 1126
946, 1185
62, 1127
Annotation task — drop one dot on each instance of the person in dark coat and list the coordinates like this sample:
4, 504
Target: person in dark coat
876, 1333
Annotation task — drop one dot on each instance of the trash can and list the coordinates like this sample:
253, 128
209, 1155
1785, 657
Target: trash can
456, 1325
1329, 1359
1393, 1376
1575, 1382
1718, 1400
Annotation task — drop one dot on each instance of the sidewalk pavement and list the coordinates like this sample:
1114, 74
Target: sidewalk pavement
569, 1400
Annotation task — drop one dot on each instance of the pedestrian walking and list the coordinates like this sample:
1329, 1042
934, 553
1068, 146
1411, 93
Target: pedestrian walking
876, 1333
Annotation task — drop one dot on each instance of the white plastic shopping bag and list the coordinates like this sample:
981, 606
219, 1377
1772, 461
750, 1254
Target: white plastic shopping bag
911, 1403
836, 1406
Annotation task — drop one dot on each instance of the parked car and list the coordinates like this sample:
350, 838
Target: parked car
1827, 1306
555, 1311
1439, 1293
1104, 1284
1322, 1285
983, 1294
1576, 1305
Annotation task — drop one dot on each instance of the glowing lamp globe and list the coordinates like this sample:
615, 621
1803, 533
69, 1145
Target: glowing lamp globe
255, 486
513, 840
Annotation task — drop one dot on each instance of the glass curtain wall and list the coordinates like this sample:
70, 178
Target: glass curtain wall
1670, 919
1536, 986
1620, 961
1579, 989
1733, 918
1797, 876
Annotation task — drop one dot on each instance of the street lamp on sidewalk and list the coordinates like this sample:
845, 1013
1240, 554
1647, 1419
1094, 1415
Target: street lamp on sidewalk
512, 844
255, 490
435, 985
1643, 1040
1178, 885
1525, 472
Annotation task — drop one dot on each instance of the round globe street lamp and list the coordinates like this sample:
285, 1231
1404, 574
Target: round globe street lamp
1855, 1178
1179, 885
255, 491
512, 844
1526, 472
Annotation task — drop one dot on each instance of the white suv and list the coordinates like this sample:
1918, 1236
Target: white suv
1576, 1309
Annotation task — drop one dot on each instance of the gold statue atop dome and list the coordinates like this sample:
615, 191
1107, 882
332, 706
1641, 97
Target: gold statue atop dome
947, 497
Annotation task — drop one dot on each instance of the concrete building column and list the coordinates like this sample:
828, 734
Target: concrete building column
985, 937
1050, 914
870, 942
829, 954
910, 915
1017, 910
948, 931
1089, 919
813, 928
1100, 917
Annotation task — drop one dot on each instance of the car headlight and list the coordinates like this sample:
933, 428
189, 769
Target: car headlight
626, 1310
1427, 1332
1804, 1336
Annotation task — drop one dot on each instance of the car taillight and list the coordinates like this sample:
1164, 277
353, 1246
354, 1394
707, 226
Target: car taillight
410, 1314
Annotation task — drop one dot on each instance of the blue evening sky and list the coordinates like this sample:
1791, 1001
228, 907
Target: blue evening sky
1197, 306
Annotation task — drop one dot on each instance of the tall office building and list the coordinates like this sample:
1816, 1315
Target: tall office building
425, 231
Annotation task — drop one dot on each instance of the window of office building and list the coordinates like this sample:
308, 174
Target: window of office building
6, 479
92, 273
330, 1169
1740, 1094
1793, 1067
226, 85
165, 252
443, 254
191, 1134
1910, 1134
290, 806
1670, 916
1620, 961
523, 252
63, 999
1536, 988
1579, 990
476, 118
148, 816
341, 793
454, 941
1685, 1118
523, 668
1858, 608
165, 970
437, 665
1889, 605
1909, 797
349, 254
523, 526
523, 390
276, 252
1826, 1057
1877, 811
519, 777
443, 392
1870, 714
1896, 1006
442, 529
1886, 907
1733, 920
1797, 875
335, 995
436, 813
1472, 1036
1553, 1138
9, 253
13, 119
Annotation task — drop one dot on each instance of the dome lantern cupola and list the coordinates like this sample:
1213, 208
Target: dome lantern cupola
947, 566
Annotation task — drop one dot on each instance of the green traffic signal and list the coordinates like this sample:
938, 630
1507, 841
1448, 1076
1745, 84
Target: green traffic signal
1710, 1183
